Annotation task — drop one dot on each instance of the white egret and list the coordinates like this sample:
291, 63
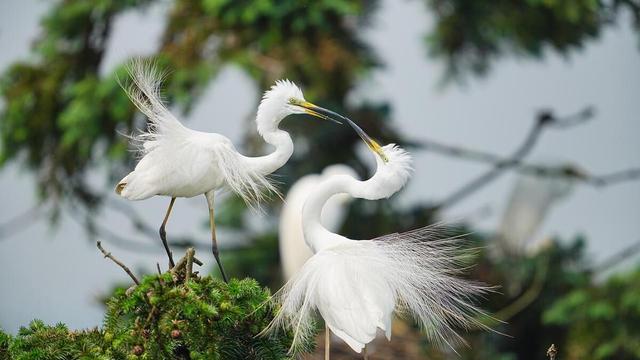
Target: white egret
356, 286
294, 252
180, 162
530, 201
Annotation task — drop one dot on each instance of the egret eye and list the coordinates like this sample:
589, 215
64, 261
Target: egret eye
294, 101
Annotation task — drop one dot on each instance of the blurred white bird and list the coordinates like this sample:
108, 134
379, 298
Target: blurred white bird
530, 202
294, 252
179, 162
356, 286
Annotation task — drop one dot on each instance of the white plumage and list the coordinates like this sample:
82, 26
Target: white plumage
356, 286
180, 162
294, 252
530, 201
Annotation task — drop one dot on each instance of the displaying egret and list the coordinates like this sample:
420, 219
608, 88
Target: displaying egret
294, 252
180, 162
356, 286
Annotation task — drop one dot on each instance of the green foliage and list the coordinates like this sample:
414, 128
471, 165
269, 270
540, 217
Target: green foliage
602, 320
204, 318
470, 34
39, 341
5, 340
165, 318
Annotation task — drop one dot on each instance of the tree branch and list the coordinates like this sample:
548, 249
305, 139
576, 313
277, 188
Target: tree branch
545, 119
618, 257
21, 221
118, 262
569, 171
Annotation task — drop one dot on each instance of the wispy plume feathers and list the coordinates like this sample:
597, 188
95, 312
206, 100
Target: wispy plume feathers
358, 286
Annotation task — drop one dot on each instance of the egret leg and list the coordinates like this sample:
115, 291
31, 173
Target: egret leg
214, 241
364, 353
163, 234
327, 343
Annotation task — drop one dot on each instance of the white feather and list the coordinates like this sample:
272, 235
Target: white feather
358, 286
177, 161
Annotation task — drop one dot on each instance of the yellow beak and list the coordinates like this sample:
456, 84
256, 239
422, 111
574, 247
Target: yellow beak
372, 144
316, 110
326, 114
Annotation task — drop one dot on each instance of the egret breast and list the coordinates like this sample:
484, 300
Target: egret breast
351, 296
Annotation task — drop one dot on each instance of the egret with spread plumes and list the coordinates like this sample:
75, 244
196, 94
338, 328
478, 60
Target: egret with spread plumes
180, 162
356, 286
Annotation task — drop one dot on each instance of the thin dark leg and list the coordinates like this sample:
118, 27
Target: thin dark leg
163, 234
214, 241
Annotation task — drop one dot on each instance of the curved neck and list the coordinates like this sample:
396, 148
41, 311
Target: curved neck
284, 149
316, 235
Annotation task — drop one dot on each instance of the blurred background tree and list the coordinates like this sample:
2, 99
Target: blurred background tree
62, 118
472, 34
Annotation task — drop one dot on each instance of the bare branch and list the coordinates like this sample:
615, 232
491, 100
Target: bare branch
482, 180
544, 119
614, 178
569, 171
118, 262
21, 221
618, 257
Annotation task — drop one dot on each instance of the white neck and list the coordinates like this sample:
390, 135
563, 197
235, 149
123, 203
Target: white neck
316, 235
284, 149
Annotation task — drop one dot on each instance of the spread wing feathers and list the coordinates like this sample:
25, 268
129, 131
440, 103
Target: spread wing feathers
356, 288
251, 185
165, 131
144, 92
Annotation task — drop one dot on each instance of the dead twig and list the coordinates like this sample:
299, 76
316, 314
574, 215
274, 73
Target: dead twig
552, 352
185, 264
189, 267
118, 262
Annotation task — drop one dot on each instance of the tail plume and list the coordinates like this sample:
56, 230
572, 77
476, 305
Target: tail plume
144, 92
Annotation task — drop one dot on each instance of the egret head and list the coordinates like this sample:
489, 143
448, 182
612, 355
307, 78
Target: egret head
284, 99
393, 162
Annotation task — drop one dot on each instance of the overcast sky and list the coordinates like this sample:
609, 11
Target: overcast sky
55, 275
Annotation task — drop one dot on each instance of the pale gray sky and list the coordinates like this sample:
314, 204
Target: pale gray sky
55, 274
